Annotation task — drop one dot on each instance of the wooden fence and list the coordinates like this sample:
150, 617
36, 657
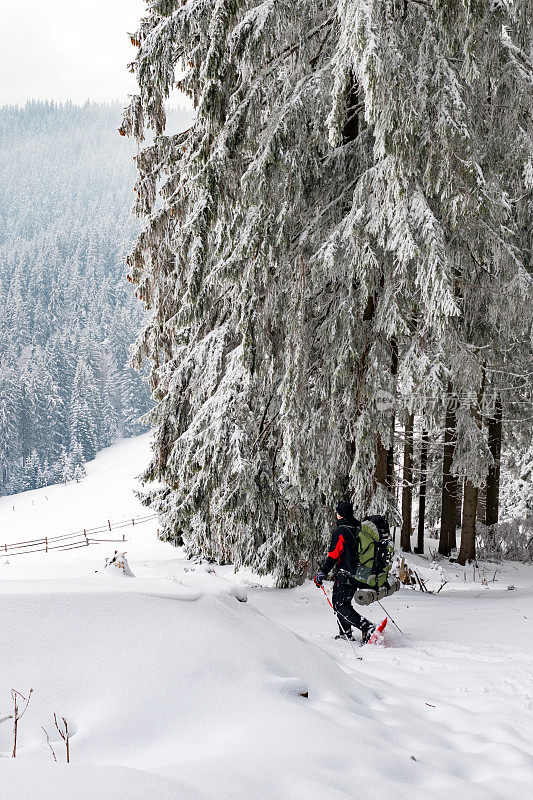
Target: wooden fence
72, 541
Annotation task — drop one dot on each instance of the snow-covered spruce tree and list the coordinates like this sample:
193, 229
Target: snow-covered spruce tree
471, 165
327, 201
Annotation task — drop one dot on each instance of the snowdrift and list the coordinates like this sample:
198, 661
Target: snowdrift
197, 689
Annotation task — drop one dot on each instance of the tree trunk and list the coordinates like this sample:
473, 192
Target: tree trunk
468, 529
422, 491
384, 473
350, 130
492, 498
390, 465
390, 451
449, 482
366, 500
459, 485
407, 491
380, 475
350, 133
470, 496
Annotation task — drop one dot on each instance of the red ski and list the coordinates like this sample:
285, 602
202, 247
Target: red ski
376, 636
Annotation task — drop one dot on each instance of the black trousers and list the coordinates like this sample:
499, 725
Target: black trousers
343, 591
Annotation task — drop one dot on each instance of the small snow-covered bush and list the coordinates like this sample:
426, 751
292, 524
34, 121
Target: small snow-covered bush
118, 565
512, 540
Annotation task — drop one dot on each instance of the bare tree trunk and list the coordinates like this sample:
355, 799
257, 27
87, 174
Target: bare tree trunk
390, 451
368, 315
380, 475
468, 529
422, 491
470, 496
459, 485
492, 500
390, 464
351, 127
449, 482
384, 473
407, 491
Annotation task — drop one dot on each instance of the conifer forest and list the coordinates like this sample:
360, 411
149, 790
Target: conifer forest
67, 316
335, 259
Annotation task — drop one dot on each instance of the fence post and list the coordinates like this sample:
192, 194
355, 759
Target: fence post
123, 537
46, 543
133, 522
109, 524
86, 537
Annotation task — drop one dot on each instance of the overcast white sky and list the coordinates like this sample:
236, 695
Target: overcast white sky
66, 49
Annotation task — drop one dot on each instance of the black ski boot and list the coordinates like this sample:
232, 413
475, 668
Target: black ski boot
347, 636
367, 632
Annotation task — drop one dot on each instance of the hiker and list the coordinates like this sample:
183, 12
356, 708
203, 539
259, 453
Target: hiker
343, 555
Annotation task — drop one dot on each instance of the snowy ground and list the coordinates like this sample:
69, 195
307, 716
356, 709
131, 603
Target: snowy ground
175, 690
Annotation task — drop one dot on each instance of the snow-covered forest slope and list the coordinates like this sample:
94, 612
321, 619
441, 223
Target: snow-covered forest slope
173, 689
67, 316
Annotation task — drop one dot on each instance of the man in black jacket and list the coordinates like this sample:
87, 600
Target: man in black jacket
343, 555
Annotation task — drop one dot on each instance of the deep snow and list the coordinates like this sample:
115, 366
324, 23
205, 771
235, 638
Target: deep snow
175, 689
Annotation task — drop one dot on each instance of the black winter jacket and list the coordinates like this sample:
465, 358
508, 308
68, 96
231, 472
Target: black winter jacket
343, 548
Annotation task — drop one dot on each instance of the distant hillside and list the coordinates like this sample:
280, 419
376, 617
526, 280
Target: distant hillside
67, 314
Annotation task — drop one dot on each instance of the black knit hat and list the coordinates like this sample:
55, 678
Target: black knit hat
345, 509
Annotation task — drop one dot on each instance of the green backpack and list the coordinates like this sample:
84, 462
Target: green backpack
375, 552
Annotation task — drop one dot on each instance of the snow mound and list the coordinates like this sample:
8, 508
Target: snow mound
202, 692
84, 782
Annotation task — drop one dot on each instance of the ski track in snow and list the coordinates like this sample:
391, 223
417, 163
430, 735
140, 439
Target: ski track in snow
175, 690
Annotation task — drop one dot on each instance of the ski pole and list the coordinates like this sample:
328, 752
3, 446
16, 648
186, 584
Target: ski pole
352, 645
329, 601
391, 619
335, 612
